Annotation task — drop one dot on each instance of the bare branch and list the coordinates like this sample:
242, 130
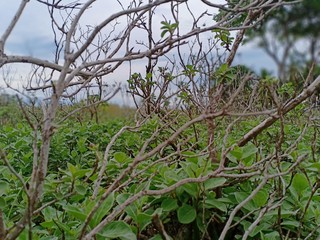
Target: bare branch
11, 26
307, 92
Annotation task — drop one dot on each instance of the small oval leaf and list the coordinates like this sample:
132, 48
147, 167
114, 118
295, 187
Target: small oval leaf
3, 187
214, 182
169, 204
300, 183
186, 214
2, 203
118, 229
120, 157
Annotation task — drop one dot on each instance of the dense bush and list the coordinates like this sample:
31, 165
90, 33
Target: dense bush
188, 211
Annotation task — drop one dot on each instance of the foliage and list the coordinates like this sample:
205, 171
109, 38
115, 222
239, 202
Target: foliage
103, 113
9, 110
168, 27
192, 210
224, 37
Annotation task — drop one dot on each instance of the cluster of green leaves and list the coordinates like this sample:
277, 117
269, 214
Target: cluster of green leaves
102, 112
168, 27
190, 211
143, 82
9, 110
224, 37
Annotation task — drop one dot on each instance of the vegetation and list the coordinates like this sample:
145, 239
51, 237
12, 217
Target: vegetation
154, 199
9, 110
212, 150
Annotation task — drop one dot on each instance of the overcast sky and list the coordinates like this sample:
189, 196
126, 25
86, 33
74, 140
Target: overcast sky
33, 35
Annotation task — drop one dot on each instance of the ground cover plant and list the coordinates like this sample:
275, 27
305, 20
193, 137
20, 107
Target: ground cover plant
179, 194
212, 150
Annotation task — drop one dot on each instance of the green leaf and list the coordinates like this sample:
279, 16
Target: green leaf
241, 196
191, 188
223, 68
48, 224
131, 210
171, 175
121, 198
190, 156
76, 198
82, 190
292, 224
156, 237
143, 220
235, 154
103, 209
62, 226
81, 173
120, 157
284, 213
186, 214
118, 229
158, 211
149, 75
261, 198
300, 183
163, 33
213, 183
213, 203
187, 167
246, 186
3, 169
224, 38
3, 187
2, 203
201, 224
248, 153
258, 229
75, 212
315, 166
174, 25
72, 169
169, 204
270, 236
49, 213
82, 145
